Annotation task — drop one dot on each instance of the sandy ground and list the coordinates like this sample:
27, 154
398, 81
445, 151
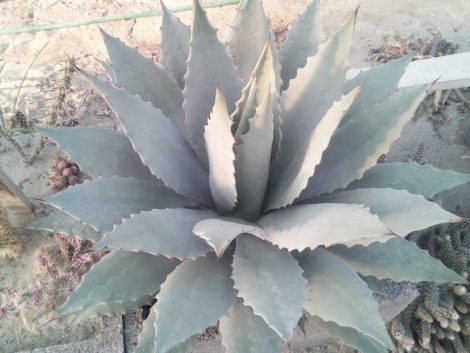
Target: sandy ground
378, 22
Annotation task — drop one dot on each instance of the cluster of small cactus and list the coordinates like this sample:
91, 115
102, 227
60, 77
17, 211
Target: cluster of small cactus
439, 319
63, 174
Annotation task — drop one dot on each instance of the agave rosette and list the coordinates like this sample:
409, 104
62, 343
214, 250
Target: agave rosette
245, 189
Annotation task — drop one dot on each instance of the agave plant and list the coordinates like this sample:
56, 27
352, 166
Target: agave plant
245, 190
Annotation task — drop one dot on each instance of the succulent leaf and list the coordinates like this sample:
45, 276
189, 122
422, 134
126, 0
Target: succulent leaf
242, 331
265, 77
219, 232
336, 293
146, 342
103, 284
209, 65
304, 226
350, 336
111, 308
302, 42
396, 259
103, 202
174, 45
357, 145
252, 160
166, 232
270, 281
61, 222
399, 210
247, 36
201, 291
219, 147
143, 77
159, 143
295, 177
99, 152
377, 84
313, 91
416, 178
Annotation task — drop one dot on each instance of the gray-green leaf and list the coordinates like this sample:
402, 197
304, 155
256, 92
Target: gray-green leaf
243, 332
196, 295
209, 65
399, 210
104, 284
302, 42
247, 36
159, 143
219, 232
377, 84
99, 152
416, 178
270, 281
219, 147
165, 232
356, 146
350, 336
111, 308
302, 166
336, 293
61, 222
265, 77
105, 201
252, 160
396, 259
147, 337
313, 91
141, 76
309, 226
174, 45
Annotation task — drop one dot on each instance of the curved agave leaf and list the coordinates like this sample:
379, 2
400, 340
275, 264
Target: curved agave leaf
202, 292
105, 201
111, 308
377, 84
270, 281
350, 336
356, 146
61, 222
147, 337
99, 152
219, 147
302, 42
295, 177
141, 76
245, 109
252, 160
336, 293
247, 36
396, 259
174, 45
209, 65
399, 210
103, 284
265, 77
166, 232
313, 91
219, 232
242, 332
309, 226
416, 178
159, 143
